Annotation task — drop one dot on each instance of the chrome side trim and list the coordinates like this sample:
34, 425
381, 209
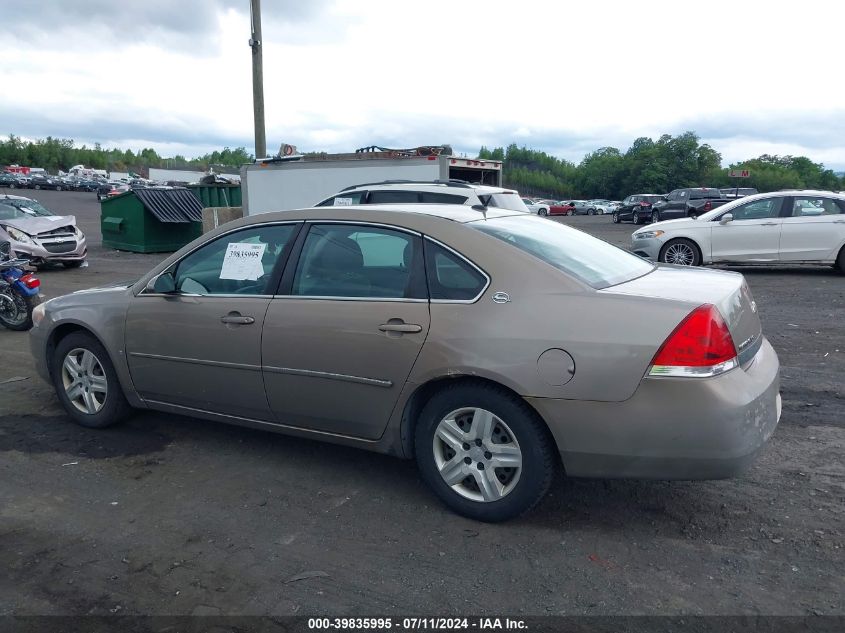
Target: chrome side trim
375, 382
366, 223
328, 298
197, 361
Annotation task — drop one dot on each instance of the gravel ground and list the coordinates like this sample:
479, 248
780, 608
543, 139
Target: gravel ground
173, 515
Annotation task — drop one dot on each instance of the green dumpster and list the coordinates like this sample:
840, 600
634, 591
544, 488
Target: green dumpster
217, 195
151, 220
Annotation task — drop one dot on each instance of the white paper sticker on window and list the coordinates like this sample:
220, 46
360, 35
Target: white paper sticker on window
243, 262
343, 202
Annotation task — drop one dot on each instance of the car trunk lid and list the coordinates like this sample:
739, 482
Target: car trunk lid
727, 291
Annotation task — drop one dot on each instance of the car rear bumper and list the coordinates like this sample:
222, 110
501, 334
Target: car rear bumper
671, 428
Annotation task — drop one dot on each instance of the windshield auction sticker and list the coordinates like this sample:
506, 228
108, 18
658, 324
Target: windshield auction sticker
242, 262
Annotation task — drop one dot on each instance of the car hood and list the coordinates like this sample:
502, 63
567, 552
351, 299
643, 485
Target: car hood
41, 224
680, 223
117, 285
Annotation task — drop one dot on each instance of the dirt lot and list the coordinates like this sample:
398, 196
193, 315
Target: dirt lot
173, 515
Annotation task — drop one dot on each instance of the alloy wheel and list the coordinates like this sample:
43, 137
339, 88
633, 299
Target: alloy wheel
477, 454
680, 254
84, 380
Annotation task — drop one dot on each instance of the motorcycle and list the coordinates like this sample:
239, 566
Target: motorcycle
19, 290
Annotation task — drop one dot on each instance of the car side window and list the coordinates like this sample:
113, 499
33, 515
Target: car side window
812, 207
394, 197
451, 277
442, 198
758, 210
236, 263
347, 260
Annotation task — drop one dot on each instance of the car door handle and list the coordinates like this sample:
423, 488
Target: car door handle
237, 319
405, 328
769, 224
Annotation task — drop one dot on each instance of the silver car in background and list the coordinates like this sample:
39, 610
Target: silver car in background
39, 235
484, 343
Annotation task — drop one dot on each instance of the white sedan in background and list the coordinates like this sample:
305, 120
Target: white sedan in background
536, 206
785, 227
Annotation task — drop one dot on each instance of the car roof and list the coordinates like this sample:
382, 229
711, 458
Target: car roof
455, 212
793, 192
422, 183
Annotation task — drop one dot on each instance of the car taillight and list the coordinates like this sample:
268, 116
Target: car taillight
707, 206
700, 346
30, 281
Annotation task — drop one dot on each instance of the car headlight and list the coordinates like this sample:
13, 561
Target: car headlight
38, 313
77, 232
645, 235
18, 236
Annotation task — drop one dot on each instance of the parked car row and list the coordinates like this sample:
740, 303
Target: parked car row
689, 202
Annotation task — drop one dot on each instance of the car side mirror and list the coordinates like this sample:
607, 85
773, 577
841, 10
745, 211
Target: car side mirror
728, 217
165, 283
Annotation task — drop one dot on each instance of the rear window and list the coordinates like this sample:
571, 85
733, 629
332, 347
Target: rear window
506, 200
576, 253
699, 194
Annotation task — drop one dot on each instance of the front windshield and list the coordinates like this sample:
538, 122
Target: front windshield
509, 201
587, 258
30, 208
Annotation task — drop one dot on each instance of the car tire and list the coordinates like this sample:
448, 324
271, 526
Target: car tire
522, 437
12, 185
616, 219
655, 217
74, 264
93, 411
681, 252
840, 261
591, 211
36, 187
25, 305
58, 188
635, 217
542, 212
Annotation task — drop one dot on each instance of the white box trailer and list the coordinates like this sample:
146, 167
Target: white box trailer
301, 182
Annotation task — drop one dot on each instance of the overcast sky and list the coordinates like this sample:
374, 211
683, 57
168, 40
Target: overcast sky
564, 77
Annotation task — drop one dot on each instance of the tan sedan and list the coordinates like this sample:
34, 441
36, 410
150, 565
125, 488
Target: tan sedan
484, 343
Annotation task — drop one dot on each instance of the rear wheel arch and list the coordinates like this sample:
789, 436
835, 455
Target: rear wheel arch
840, 260
422, 394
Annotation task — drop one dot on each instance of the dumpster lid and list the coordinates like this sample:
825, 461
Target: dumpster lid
171, 205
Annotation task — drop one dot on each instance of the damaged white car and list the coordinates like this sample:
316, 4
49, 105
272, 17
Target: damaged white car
38, 234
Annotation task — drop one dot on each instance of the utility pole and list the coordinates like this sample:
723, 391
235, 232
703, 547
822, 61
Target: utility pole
257, 78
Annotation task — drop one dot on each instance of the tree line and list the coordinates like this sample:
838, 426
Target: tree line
54, 154
650, 166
